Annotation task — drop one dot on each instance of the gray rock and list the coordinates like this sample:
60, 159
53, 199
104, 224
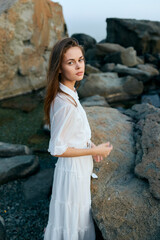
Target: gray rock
2, 229
85, 40
141, 75
110, 86
143, 35
92, 58
38, 187
95, 100
9, 150
17, 167
149, 58
108, 67
132, 86
151, 99
90, 69
147, 135
109, 48
148, 68
127, 57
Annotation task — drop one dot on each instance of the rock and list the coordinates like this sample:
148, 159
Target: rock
127, 57
133, 86
28, 30
46, 128
109, 48
104, 53
151, 99
38, 139
38, 186
90, 69
110, 86
2, 229
102, 41
95, 100
92, 58
6, 4
9, 150
147, 135
140, 60
23, 106
108, 67
149, 58
25, 103
148, 68
17, 167
85, 40
141, 75
143, 35
122, 205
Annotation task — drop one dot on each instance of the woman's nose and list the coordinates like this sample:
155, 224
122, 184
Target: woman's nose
77, 65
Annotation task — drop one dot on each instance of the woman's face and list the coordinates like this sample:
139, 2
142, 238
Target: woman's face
73, 66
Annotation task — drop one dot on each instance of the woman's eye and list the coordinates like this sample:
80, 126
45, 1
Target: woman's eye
70, 63
81, 60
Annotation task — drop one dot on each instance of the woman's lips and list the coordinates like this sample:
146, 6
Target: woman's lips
79, 73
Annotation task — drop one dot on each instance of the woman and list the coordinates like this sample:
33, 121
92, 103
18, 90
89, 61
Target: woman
70, 215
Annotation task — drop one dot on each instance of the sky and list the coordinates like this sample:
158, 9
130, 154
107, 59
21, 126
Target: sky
89, 16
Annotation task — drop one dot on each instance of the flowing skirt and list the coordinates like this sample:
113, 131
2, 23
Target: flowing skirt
70, 216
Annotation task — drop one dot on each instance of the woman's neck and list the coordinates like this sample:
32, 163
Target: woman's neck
69, 84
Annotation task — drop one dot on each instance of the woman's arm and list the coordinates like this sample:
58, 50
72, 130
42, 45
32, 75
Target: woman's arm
102, 149
76, 152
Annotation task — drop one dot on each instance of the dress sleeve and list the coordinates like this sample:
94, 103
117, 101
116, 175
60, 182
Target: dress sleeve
62, 126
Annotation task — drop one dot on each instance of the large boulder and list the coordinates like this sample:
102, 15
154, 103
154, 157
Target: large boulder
147, 135
38, 186
10, 150
110, 86
143, 73
122, 205
105, 48
95, 100
17, 167
143, 35
127, 57
28, 30
85, 40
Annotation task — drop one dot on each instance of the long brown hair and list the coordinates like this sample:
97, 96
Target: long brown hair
53, 76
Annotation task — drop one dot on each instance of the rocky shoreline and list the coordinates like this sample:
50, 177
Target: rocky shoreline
23, 220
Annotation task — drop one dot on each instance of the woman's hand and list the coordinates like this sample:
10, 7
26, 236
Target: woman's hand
97, 158
102, 150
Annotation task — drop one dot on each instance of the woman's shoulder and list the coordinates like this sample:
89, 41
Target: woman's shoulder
62, 100
61, 103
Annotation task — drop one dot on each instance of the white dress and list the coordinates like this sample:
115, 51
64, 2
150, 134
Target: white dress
70, 216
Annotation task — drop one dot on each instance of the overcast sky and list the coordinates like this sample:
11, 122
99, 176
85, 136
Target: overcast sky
89, 16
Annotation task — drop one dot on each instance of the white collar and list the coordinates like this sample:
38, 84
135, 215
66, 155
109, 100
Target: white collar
69, 91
